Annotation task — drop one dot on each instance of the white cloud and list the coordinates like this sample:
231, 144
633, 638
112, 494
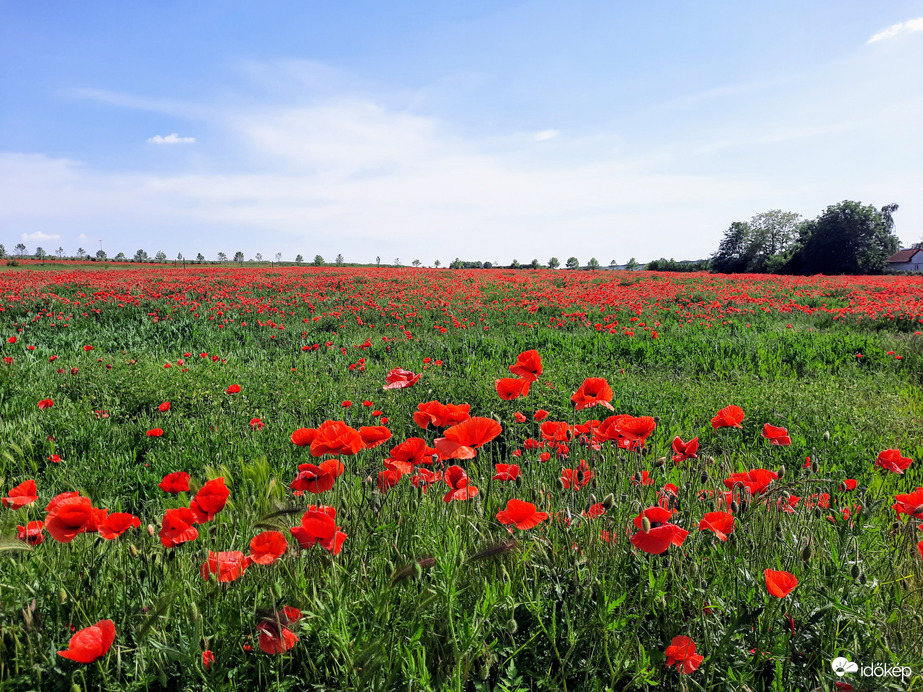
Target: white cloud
82, 236
545, 135
40, 236
170, 139
907, 27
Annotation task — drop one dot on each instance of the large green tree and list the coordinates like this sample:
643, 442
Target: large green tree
848, 238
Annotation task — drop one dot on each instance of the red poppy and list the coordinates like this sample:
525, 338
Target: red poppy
303, 437
257, 423
440, 415
54, 458
318, 526
177, 527
681, 652
756, 481
11, 340
156, 432
45, 403
233, 389
920, 548
87, 348
335, 437
456, 478
594, 391
776, 435
521, 514
398, 378
528, 365
461, 441
226, 566
685, 450
409, 453
388, 478
848, 484
176, 482
636, 429
541, 414
208, 659
165, 406
728, 417
910, 503
319, 478
275, 637
721, 523
578, 477
506, 472
662, 533
424, 478
892, 460
90, 643
23, 494
116, 524
520, 417
210, 500
32, 533
267, 547
70, 516
374, 435
510, 388
594, 511
780, 584
643, 479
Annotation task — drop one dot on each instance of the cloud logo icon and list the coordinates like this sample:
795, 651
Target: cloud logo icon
841, 666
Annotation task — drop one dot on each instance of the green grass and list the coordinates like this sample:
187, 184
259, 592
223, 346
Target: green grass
428, 595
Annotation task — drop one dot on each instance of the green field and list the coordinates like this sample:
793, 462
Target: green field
427, 594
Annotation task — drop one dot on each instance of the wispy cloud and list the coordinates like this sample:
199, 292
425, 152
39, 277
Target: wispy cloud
545, 135
907, 27
172, 138
40, 236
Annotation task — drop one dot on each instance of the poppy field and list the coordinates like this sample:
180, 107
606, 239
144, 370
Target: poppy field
413, 479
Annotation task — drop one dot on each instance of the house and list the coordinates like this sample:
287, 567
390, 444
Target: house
907, 260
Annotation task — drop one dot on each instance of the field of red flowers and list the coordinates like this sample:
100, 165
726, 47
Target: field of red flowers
352, 479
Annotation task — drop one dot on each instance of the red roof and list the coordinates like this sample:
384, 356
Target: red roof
904, 255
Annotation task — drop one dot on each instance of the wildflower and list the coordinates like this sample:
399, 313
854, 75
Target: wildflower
510, 388
776, 435
31, 533
681, 652
177, 527
226, 566
728, 417
45, 403
233, 389
318, 526
462, 441
398, 378
210, 500
23, 494
594, 391
892, 460
156, 432
661, 533
506, 472
722, 523
176, 482
90, 643
275, 637
165, 406
528, 366
456, 478
319, 478
780, 584
685, 450
117, 523
521, 514
267, 547
335, 437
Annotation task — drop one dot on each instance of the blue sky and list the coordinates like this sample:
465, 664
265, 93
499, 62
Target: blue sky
483, 130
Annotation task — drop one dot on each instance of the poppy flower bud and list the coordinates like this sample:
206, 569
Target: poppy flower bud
560, 484
133, 550
781, 472
193, 612
150, 529
814, 466
660, 462
709, 460
855, 571
826, 436
62, 596
645, 524
637, 477
704, 477
735, 508
518, 481
744, 505
863, 579
657, 420
609, 501
807, 552
76, 688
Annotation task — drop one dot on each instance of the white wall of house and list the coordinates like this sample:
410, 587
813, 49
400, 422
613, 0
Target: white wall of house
916, 265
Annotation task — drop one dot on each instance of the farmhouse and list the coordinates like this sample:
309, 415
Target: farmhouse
907, 260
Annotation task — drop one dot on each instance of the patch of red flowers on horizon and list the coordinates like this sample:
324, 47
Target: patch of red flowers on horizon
90, 643
729, 417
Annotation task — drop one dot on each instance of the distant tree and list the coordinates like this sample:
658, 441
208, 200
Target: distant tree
593, 263
259, 257
534, 264
397, 261
140, 256
40, 253
278, 257
238, 257
572, 263
222, 257
20, 250
59, 252
339, 260
847, 238
554, 263
200, 257
488, 265
2, 250
160, 257
299, 259
120, 257
436, 264
318, 261
732, 254
416, 263
613, 264
515, 264
179, 256
632, 264
81, 253
378, 261
100, 255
